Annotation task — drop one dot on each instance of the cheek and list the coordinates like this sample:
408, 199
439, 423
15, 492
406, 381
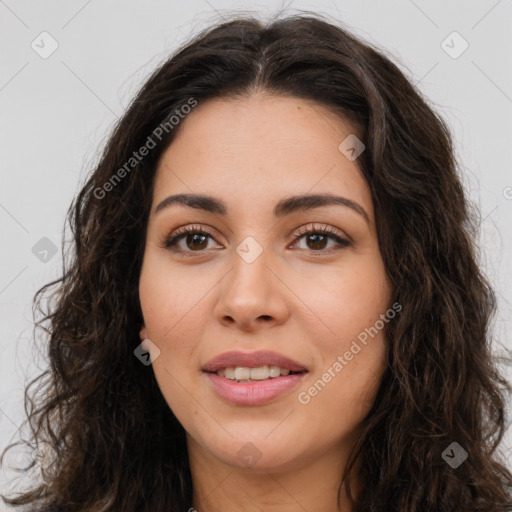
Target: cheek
346, 300
343, 391
354, 309
176, 313
165, 301
170, 297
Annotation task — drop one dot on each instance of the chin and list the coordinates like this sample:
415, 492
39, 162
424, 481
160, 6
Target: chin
257, 453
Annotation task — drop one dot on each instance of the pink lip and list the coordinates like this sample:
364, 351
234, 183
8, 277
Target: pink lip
253, 393
252, 360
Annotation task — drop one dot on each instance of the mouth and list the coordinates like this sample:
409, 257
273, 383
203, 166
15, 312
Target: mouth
246, 375
251, 379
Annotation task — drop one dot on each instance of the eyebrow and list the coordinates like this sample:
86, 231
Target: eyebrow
284, 207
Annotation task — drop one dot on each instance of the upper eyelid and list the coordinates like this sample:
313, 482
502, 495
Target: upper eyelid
316, 226
306, 227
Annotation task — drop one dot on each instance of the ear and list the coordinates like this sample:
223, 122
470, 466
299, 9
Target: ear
143, 333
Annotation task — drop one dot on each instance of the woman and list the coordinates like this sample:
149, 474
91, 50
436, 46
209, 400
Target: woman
274, 301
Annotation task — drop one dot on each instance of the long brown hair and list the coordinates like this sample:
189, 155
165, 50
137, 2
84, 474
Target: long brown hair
113, 444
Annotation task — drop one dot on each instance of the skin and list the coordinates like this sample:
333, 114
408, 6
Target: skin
292, 299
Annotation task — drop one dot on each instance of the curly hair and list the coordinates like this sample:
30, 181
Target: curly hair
113, 444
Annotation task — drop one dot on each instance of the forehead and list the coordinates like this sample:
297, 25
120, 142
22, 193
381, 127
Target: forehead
253, 151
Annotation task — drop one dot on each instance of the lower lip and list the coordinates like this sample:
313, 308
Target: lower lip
253, 393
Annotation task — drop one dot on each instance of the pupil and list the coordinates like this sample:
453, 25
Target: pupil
316, 236
194, 237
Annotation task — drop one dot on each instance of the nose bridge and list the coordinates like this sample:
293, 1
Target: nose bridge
250, 275
251, 290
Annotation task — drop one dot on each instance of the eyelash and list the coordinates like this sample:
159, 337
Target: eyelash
171, 241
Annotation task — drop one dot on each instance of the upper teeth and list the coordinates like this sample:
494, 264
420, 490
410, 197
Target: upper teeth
244, 373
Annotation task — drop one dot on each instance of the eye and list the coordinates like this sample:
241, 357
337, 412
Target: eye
317, 237
195, 239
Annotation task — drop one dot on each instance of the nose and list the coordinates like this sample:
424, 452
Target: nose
252, 295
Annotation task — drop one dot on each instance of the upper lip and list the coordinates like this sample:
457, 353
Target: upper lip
252, 360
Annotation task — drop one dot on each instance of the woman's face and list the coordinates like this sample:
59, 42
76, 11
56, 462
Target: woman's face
257, 282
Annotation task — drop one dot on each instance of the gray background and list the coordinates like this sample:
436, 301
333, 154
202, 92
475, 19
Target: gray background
58, 110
